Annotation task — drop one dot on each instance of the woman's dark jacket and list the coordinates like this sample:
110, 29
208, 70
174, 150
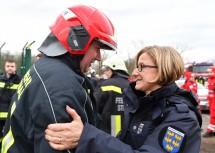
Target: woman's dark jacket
160, 122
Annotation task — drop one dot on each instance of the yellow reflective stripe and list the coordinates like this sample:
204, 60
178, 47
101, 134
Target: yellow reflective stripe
112, 88
14, 86
3, 115
2, 84
7, 142
115, 124
13, 107
88, 91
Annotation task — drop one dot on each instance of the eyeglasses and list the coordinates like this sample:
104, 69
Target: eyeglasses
140, 67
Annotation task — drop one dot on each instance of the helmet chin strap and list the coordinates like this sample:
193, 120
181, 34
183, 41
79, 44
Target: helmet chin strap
52, 47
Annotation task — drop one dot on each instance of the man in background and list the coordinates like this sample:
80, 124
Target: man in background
9, 82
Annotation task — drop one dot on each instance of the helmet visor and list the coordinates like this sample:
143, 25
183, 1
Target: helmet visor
106, 45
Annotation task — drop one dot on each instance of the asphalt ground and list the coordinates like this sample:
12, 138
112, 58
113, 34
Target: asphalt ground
208, 144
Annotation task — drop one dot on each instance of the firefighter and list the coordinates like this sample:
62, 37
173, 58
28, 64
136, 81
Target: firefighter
211, 100
9, 82
109, 95
57, 79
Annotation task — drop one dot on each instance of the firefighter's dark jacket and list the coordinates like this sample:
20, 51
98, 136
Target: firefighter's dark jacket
41, 99
160, 122
8, 87
107, 94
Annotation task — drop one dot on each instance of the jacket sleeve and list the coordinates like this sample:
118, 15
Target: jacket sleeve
51, 107
177, 133
93, 140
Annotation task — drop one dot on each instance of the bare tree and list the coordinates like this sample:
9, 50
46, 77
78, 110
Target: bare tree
132, 51
182, 48
130, 63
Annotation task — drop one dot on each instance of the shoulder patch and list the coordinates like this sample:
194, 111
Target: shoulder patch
172, 139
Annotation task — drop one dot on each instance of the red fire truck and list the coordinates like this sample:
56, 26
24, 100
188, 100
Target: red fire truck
199, 69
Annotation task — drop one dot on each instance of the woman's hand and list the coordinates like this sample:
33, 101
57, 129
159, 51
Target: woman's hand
62, 136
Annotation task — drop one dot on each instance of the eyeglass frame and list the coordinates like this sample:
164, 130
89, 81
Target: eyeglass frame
140, 67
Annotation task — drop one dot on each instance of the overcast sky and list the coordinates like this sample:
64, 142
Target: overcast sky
184, 24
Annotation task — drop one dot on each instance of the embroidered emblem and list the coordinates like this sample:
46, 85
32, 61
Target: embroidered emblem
138, 129
172, 140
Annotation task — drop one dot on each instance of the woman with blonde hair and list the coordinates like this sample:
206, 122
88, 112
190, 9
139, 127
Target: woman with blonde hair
158, 116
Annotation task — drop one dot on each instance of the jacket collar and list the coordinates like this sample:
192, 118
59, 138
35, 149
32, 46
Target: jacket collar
156, 99
160, 93
73, 61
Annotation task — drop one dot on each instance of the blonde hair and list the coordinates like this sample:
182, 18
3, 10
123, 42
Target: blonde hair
169, 61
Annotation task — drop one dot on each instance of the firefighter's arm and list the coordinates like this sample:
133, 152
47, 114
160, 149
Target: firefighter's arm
68, 136
87, 138
65, 135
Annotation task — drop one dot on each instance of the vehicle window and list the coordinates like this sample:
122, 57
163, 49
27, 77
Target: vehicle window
200, 69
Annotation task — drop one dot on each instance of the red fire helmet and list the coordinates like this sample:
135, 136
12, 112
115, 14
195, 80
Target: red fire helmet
77, 26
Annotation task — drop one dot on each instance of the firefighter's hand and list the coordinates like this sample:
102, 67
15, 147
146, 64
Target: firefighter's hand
62, 136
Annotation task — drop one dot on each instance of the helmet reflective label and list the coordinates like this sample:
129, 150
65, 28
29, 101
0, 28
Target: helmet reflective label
67, 14
75, 43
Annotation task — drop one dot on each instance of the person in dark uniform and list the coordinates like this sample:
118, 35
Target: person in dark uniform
9, 82
159, 117
57, 79
109, 95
